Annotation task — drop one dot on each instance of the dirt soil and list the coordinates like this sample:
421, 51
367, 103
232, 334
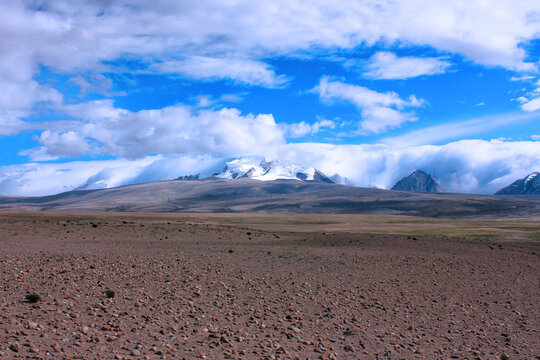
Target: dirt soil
185, 290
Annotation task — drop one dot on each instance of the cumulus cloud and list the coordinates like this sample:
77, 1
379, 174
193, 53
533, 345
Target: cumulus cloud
380, 111
386, 65
239, 70
56, 145
178, 129
470, 166
18, 97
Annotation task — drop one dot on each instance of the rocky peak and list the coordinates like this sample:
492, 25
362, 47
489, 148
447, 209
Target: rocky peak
419, 181
529, 185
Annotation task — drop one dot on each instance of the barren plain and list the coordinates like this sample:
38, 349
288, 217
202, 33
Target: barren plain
240, 286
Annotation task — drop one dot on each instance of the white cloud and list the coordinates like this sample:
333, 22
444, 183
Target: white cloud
233, 98
531, 105
386, 65
17, 99
302, 128
178, 129
486, 32
535, 137
459, 129
230, 40
240, 70
470, 166
95, 84
522, 78
56, 145
35, 179
474, 166
380, 111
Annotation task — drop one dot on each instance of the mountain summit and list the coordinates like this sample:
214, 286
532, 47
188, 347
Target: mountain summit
270, 170
529, 185
419, 181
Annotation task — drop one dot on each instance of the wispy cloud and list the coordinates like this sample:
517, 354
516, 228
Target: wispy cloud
245, 71
386, 65
459, 129
301, 129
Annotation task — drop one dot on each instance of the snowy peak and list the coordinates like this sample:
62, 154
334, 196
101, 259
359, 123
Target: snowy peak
529, 185
270, 170
419, 181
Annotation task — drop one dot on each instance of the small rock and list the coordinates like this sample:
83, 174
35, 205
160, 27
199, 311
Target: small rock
15, 347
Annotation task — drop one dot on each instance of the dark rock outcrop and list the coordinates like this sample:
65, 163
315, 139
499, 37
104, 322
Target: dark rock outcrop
529, 185
419, 181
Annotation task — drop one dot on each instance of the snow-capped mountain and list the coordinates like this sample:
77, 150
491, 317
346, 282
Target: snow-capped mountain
419, 181
270, 170
529, 185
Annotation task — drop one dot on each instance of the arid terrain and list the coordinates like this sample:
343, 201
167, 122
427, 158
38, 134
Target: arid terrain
240, 286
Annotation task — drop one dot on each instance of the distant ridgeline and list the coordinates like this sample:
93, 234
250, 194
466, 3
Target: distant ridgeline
529, 185
417, 181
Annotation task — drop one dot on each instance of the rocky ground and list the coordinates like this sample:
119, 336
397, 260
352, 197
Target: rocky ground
199, 291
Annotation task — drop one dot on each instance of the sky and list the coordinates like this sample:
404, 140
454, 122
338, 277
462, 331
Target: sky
104, 93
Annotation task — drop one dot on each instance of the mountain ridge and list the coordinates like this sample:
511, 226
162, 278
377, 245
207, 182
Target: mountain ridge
419, 181
279, 196
270, 170
529, 185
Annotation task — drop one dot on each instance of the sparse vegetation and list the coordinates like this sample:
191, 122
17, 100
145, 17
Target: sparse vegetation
109, 293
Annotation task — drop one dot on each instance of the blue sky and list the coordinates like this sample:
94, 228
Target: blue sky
117, 92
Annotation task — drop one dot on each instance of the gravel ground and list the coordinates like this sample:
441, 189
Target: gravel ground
196, 291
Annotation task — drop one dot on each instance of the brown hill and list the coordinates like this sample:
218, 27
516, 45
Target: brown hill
280, 196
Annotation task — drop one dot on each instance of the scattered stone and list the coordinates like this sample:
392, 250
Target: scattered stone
32, 298
15, 347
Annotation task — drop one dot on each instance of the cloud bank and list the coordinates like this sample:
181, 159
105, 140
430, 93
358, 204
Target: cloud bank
470, 166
